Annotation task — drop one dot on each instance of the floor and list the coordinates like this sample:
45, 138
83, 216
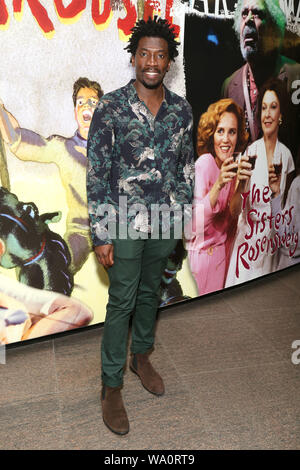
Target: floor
227, 364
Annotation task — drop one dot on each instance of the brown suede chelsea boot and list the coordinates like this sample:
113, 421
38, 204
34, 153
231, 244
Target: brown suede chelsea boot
151, 380
113, 410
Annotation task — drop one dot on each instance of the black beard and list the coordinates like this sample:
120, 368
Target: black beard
152, 86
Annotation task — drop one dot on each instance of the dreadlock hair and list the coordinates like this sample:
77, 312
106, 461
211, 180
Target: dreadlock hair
156, 27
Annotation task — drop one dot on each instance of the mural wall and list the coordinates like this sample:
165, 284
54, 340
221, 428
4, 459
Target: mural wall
60, 57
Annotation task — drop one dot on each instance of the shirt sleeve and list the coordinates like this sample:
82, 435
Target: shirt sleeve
203, 213
31, 146
99, 154
205, 179
290, 164
186, 167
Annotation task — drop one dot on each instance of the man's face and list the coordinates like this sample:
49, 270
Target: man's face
151, 61
86, 102
256, 35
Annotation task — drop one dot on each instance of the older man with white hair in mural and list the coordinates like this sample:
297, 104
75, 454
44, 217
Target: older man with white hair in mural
260, 27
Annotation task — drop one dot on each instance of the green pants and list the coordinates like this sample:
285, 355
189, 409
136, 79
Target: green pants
135, 279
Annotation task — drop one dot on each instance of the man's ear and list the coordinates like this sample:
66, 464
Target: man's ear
132, 60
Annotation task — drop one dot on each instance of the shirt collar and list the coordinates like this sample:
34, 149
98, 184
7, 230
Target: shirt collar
79, 140
134, 98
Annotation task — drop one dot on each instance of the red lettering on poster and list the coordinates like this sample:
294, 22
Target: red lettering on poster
148, 9
126, 24
18, 9
101, 15
240, 257
17, 5
71, 13
280, 231
41, 16
101, 20
169, 17
4, 18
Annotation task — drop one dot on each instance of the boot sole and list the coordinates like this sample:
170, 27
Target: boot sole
150, 391
119, 433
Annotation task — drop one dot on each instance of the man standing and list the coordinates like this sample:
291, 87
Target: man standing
260, 27
139, 148
69, 154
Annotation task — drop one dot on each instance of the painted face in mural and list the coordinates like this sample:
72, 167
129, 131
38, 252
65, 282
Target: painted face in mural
151, 61
86, 102
270, 113
225, 137
256, 34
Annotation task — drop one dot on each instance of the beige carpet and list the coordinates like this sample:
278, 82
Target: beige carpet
226, 361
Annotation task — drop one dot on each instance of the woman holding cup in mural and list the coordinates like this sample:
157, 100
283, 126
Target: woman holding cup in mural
273, 111
255, 248
221, 133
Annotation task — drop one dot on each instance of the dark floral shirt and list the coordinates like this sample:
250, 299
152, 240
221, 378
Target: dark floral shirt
143, 159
